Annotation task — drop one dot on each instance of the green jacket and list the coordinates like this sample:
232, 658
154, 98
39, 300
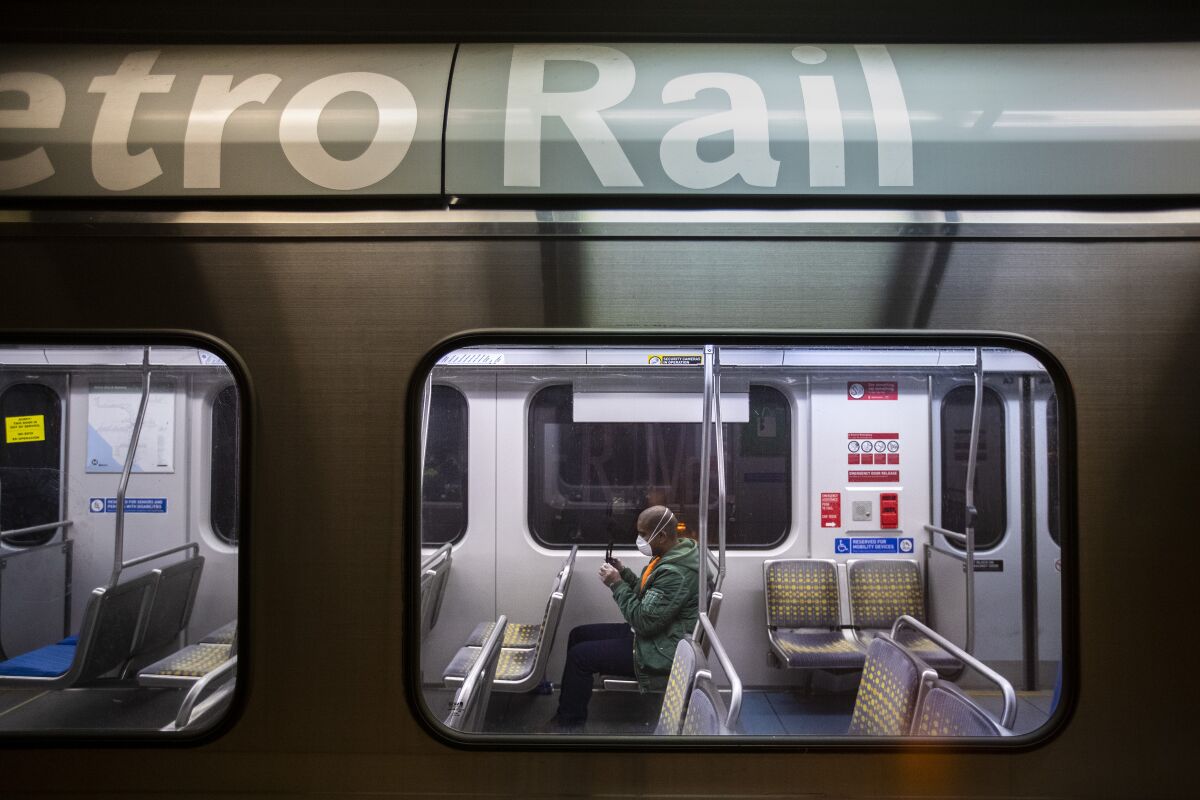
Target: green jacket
662, 613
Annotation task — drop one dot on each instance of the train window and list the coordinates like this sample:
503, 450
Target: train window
30, 463
444, 481
117, 618
583, 604
1052, 508
990, 483
224, 471
589, 480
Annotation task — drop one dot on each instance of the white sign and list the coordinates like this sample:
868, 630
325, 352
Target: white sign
112, 412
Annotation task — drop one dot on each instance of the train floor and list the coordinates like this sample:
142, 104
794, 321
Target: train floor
765, 712
115, 707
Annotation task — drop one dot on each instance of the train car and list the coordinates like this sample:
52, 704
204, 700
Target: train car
338, 380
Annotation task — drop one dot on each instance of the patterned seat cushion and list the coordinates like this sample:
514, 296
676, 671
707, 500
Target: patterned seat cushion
195, 661
514, 664
802, 593
675, 698
516, 634
819, 650
929, 652
947, 712
222, 635
887, 693
882, 590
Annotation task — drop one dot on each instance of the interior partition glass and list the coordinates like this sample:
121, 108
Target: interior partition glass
571, 611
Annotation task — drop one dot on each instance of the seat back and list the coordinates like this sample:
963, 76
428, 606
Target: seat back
435, 576
428, 584
174, 599
882, 590
706, 713
887, 693
943, 710
112, 626
469, 706
687, 661
802, 593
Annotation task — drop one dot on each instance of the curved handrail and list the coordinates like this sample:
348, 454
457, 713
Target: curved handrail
160, 553
949, 534
435, 556
62, 523
466, 692
189, 701
1010, 696
123, 486
735, 682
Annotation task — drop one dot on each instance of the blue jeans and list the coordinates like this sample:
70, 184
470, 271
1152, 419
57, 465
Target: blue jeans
606, 648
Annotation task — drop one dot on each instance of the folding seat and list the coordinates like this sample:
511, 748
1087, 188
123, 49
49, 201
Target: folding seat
883, 590
803, 616
887, 693
943, 710
469, 706
679, 688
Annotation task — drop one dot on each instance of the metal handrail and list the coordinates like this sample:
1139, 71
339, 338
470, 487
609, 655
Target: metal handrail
719, 433
958, 537
133, 562
1009, 715
189, 701
62, 523
462, 697
971, 511
702, 511
735, 682
127, 469
435, 556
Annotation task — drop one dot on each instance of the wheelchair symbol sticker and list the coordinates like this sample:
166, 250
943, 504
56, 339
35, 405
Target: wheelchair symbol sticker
842, 545
906, 545
96, 505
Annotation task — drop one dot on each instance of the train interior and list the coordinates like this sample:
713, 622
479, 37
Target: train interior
836, 599
119, 522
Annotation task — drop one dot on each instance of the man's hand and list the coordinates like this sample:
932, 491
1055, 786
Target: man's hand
609, 575
617, 565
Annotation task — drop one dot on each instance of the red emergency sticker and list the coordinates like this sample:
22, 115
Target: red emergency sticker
872, 436
872, 390
831, 509
874, 476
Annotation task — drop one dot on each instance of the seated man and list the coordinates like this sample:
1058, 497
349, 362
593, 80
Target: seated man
660, 608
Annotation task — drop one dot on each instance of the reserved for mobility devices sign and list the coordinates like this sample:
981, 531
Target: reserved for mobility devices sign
872, 544
133, 505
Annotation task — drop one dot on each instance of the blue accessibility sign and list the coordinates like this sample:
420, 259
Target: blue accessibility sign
872, 544
133, 505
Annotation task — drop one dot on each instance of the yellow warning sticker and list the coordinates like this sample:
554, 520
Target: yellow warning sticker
31, 428
675, 359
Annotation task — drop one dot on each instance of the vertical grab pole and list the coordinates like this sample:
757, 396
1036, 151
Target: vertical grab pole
719, 432
972, 457
702, 512
135, 434
426, 402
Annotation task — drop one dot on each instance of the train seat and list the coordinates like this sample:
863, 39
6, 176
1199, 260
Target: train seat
519, 669
687, 661
222, 635
108, 637
519, 635
803, 616
883, 590
435, 576
706, 713
192, 663
469, 706
887, 693
943, 710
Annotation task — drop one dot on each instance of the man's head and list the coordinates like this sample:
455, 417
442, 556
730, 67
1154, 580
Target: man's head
656, 530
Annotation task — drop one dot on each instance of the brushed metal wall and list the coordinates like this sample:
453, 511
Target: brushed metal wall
331, 328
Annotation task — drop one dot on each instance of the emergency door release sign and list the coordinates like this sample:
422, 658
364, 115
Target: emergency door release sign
872, 390
831, 509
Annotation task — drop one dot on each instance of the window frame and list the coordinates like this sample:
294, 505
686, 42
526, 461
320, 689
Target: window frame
466, 478
431, 723
45, 537
532, 462
989, 393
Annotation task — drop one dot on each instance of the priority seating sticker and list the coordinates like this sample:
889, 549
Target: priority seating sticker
30, 428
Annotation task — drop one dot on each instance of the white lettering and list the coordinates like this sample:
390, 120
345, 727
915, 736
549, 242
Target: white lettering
529, 104
397, 127
892, 129
823, 117
112, 165
215, 102
47, 103
747, 118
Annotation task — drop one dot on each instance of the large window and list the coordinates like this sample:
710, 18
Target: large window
990, 483
30, 462
226, 456
444, 482
589, 480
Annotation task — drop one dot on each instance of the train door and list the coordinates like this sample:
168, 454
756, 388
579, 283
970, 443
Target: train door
998, 589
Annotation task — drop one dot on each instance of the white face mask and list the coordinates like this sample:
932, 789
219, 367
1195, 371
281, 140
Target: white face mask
643, 544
